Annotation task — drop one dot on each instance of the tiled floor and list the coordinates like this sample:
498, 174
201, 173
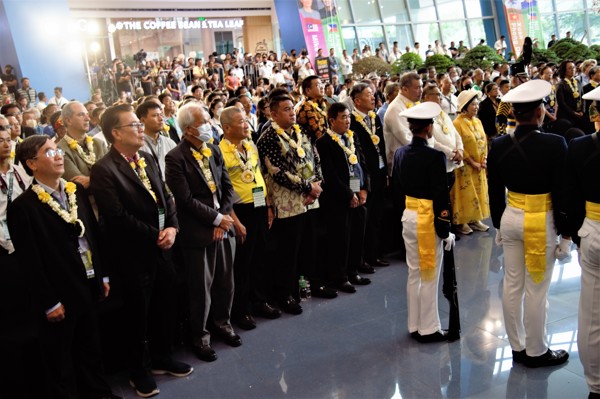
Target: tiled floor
357, 345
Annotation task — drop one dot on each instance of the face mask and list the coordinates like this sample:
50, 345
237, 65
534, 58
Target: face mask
204, 133
455, 79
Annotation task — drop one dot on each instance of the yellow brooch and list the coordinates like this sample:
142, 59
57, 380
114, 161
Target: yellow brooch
375, 139
353, 159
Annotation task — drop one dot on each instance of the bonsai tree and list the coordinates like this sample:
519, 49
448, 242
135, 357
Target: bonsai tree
562, 47
483, 57
440, 62
372, 64
580, 52
596, 49
407, 62
542, 55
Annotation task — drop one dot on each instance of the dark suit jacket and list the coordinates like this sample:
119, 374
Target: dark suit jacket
336, 173
47, 248
129, 214
487, 115
377, 176
194, 199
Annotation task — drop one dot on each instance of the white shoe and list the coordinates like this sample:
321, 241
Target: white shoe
464, 229
478, 226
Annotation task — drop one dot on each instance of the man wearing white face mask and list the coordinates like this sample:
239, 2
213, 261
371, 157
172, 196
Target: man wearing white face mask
196, 174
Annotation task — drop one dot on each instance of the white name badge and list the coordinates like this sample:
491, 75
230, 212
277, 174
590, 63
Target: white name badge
355, 184
161, 219
381, 163
86, 258
5, 228
314, 205
258, 196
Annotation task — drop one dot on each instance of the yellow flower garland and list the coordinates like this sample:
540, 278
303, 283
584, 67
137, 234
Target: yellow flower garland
299, 136
69, 217
316, 107
202, 158
247, 167
90, 158
350, 152
572, 83
373, 131
141, 164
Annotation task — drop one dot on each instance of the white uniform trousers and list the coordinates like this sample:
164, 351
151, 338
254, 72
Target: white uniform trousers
421, 296
588, 336
525, 303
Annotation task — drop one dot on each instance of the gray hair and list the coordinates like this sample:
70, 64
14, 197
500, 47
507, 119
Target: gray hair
390, 88
227, 115
186, 114
67, 110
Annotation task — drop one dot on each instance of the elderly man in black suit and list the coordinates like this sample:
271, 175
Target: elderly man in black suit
55, 233
138, 217
196, 173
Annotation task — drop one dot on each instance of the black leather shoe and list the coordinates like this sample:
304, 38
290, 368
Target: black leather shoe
324, 292
144, 384
347, 288
171, 367
246, 322
267, 311
550, 358
415, 335
366, 269
290, 306
519, 357
438, 336
231, 339
380, 262
205, 352
358, 280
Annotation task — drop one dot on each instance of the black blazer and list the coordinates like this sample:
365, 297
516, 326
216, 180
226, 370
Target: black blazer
377, 176
47, 250
336, 173
129, 214
487, 116
194, 199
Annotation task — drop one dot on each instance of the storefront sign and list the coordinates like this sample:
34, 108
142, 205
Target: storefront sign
160, 24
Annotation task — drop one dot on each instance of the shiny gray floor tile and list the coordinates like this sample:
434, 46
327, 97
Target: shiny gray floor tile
357, 345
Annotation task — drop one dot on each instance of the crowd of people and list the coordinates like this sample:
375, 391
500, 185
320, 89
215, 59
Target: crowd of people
232, 189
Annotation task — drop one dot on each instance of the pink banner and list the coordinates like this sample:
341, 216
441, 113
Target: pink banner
313, 32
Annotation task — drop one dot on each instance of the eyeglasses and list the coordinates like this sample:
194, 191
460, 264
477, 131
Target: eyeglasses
51, 153
5, 127
135, 125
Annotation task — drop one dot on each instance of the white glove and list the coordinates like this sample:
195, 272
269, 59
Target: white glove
563, 249
498, 238
449, 241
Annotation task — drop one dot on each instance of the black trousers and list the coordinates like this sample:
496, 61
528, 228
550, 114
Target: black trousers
374, 226
249, 267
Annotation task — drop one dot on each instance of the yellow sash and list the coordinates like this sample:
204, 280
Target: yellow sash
425, 235
592, 211
534, 234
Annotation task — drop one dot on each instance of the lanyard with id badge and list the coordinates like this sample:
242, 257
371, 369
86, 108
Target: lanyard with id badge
7, 189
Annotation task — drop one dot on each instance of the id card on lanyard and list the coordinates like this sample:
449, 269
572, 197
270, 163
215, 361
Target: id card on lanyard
258, 196
161, 219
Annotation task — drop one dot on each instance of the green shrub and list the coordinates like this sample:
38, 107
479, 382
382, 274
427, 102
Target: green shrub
542, 55
371, 64
562, 47
580, 52
483, 57
440, 62
407, 62
596, 49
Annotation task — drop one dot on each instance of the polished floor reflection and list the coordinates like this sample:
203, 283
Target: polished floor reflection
357, 345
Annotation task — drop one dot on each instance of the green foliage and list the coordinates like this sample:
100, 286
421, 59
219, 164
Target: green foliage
407, 62
480, 57
596, 49
371, 64
562, 47
580, 52
440, 62
542, 55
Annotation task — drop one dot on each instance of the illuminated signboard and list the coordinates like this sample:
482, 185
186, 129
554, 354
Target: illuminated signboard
175, 23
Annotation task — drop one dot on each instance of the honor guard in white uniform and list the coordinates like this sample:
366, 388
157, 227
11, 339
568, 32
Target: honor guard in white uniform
530, 164
420, 186
583, 163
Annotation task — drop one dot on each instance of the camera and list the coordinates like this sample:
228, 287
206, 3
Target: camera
140, 56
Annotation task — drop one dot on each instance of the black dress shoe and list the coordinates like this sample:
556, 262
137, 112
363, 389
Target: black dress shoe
519, 357
246, 322
438, 336
289, 305
324, 292
550, 358
358, 280
380, 262
347, 288
231, 339
171, 367
144, 384
205, 352
267, 311
415, 335
366, 269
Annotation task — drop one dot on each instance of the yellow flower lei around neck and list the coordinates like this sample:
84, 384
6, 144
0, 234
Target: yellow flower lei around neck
69, 217
202, 158
373, 130
351, 151
247, 168
316, 107
441, 120
299, 136
572, 83
141, 164
90, 158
